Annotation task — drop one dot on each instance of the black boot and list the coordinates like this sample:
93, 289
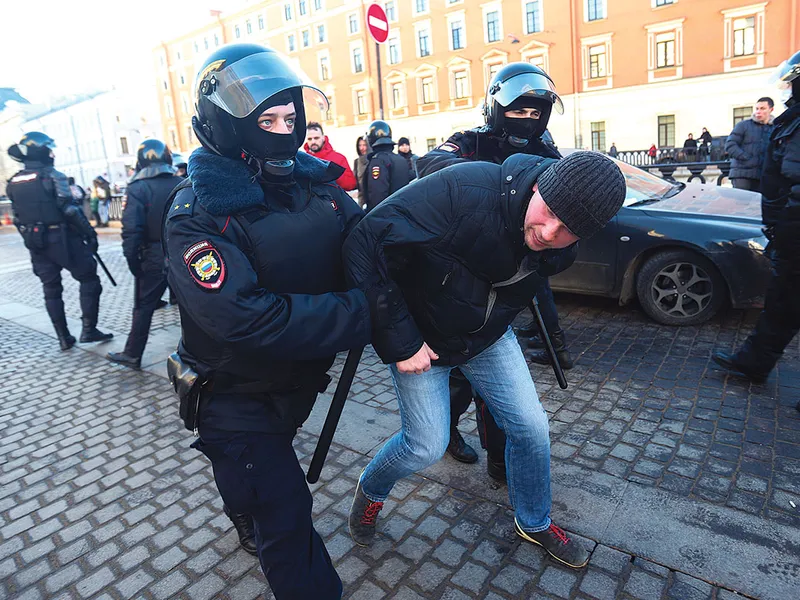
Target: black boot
66, 341
90, 333
734, 364
90, 308
244, 528
55, 310
540, 357
536, 342
496, 469
459, 449
529, 331
125, 359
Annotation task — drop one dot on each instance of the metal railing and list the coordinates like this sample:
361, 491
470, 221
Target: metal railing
668, 160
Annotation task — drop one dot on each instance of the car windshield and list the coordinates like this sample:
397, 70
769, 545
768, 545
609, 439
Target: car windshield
643, 186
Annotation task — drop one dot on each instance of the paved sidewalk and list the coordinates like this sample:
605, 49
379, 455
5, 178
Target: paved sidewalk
683, 482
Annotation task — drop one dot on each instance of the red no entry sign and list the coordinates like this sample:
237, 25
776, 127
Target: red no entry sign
377, 23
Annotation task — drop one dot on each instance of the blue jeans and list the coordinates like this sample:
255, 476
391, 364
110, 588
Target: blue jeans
500, 375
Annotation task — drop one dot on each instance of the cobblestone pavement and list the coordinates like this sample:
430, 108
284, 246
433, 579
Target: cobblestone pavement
101, 497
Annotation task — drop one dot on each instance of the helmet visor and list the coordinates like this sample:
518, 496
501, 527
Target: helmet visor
241, 87
531, 85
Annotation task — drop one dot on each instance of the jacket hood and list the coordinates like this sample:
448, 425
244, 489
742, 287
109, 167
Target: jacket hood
517, 175
225, 185
152, 171
324, 151
770, 122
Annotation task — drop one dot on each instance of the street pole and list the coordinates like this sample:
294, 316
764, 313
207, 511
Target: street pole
380, 80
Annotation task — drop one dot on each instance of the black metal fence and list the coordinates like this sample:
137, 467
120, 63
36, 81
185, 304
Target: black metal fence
665, 161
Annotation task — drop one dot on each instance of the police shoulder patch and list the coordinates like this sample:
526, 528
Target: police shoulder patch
205, 264
376, 172
449, 147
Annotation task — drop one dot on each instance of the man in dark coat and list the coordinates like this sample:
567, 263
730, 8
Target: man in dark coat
387, 172
779, 322
148, 192
747, 146
468, 247
57, 234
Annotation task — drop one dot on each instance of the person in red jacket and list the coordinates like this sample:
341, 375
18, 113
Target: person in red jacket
317, 145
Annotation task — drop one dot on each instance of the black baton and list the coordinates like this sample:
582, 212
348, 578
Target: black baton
334, 414
548, 344
103, 266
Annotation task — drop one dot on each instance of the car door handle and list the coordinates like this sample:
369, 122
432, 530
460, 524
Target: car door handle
624, 238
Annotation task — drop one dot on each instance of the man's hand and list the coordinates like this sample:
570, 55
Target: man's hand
420, 362
92, 244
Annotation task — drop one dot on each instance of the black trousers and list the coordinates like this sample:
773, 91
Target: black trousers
779, 322
149, 289
65, 250
258, 474
493, 440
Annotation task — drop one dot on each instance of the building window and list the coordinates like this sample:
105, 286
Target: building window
178, 55
321, 34
185, 104
461, 84
183, 79
666, 131
599, 136
397, 95
358, 60
196, 48
173, 138
290, 42
595, 10
662, 2
324, 68
236, 32
352, 23
317, 4
430, 143
493, 26
216, 40
424, 42
287, 12
665, 50
189, 135
205, 43
260, 22
330, 114
742, 113
391, 11
428, 90
533, 17
393, 51
302, 8
249, 27
491, 71
306, 36
420, 6
161, 60
538, 60
123, 145
457, 35
165, 84
744, 36
361, 102
597, 61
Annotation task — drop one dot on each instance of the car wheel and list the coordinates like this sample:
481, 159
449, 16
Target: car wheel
680, 287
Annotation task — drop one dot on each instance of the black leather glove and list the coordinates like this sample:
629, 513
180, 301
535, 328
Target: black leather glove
134, 266
467, 141
383, 299
91, 243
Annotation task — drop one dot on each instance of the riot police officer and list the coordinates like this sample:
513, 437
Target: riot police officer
147, 192
253, 242
779, 322
57, 234
386, 172
517, 108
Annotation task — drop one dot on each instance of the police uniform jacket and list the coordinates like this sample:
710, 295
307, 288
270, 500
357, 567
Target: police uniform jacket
259, 278
386, 173
453, 242
147, 195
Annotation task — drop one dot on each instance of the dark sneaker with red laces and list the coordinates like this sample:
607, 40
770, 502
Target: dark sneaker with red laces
363, 515
558, 545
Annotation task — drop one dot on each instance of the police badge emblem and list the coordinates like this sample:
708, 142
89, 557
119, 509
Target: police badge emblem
205, 265
376, 172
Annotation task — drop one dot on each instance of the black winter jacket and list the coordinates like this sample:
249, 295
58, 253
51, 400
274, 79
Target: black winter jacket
747, 146
453, 242
386, 173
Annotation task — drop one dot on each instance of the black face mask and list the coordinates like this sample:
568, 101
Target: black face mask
273, 153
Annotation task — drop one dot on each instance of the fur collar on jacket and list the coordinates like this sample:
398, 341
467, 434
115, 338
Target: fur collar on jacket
224, 185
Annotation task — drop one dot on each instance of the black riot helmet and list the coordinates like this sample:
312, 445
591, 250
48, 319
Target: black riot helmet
787, 76
379, 134
520, 85
34, 146
152, 152
234, 86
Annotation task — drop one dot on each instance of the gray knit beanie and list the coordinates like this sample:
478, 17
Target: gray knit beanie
585, 190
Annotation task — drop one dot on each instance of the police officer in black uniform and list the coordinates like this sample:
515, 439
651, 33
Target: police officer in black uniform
386, 172
779, 322
56, 232
147, 193
519, 101
253, 242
